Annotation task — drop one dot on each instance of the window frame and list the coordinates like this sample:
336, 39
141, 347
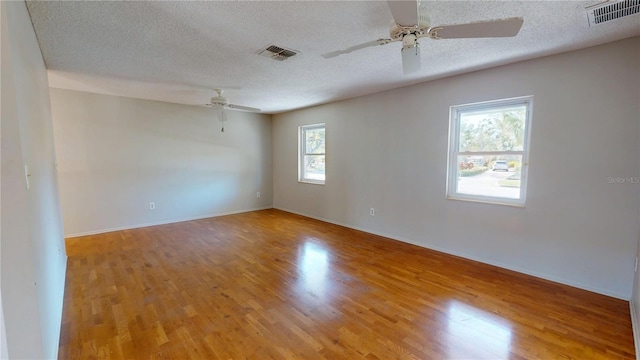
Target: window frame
454, 150
302, 153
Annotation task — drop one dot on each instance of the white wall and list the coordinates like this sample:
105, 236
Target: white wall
32, 246
389, 151
116, 155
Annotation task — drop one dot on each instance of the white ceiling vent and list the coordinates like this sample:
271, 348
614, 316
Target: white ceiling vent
611, 10
279, 53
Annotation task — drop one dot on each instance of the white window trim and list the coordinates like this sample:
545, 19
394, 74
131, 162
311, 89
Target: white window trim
454, 138
301, 154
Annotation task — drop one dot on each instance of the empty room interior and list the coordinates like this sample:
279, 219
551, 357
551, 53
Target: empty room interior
320, 180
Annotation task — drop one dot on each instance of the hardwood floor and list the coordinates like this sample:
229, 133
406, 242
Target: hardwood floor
270, 284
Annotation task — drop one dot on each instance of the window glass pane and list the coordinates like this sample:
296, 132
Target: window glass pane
314, 167
314, 141
493, 129
311, 167
495, 176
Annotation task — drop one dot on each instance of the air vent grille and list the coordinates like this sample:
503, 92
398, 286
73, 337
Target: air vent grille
612, 10
279, 53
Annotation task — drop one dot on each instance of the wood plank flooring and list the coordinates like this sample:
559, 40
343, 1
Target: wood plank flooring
273, 285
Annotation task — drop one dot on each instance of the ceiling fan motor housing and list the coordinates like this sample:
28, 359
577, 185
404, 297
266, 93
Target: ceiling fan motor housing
398, 32
219, 100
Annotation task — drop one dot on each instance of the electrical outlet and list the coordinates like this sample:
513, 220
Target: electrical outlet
258, 194
372, 212
152, 206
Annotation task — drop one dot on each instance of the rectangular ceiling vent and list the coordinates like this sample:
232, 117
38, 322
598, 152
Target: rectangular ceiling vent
611, 10
279, 53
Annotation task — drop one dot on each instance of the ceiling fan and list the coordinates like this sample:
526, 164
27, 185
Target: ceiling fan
221, 103
410, 23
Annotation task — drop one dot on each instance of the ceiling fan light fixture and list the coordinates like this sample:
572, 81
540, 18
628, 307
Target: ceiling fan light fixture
222, 117
410, 54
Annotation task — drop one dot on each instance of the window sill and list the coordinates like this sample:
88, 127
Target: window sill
314, 182
489, 201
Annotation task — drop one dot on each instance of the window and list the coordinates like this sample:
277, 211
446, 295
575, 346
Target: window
488, 151
312, 158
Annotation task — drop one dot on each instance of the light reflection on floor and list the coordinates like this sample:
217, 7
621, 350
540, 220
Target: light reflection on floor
313, 266
476, 333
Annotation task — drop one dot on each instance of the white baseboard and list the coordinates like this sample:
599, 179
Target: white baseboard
636, 330
170, 221
471, 257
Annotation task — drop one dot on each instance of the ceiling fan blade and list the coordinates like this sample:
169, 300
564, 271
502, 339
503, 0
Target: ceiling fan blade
356, 47
243, 108
491, 28
404, 12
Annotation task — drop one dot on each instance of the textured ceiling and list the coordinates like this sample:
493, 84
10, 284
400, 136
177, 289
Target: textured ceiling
178, 51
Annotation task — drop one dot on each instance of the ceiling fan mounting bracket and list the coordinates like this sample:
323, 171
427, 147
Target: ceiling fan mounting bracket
433, 33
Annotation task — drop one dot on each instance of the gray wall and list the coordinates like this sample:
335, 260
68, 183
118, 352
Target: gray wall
4, 352
32, 247
635, 299
116, 155
389, 151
